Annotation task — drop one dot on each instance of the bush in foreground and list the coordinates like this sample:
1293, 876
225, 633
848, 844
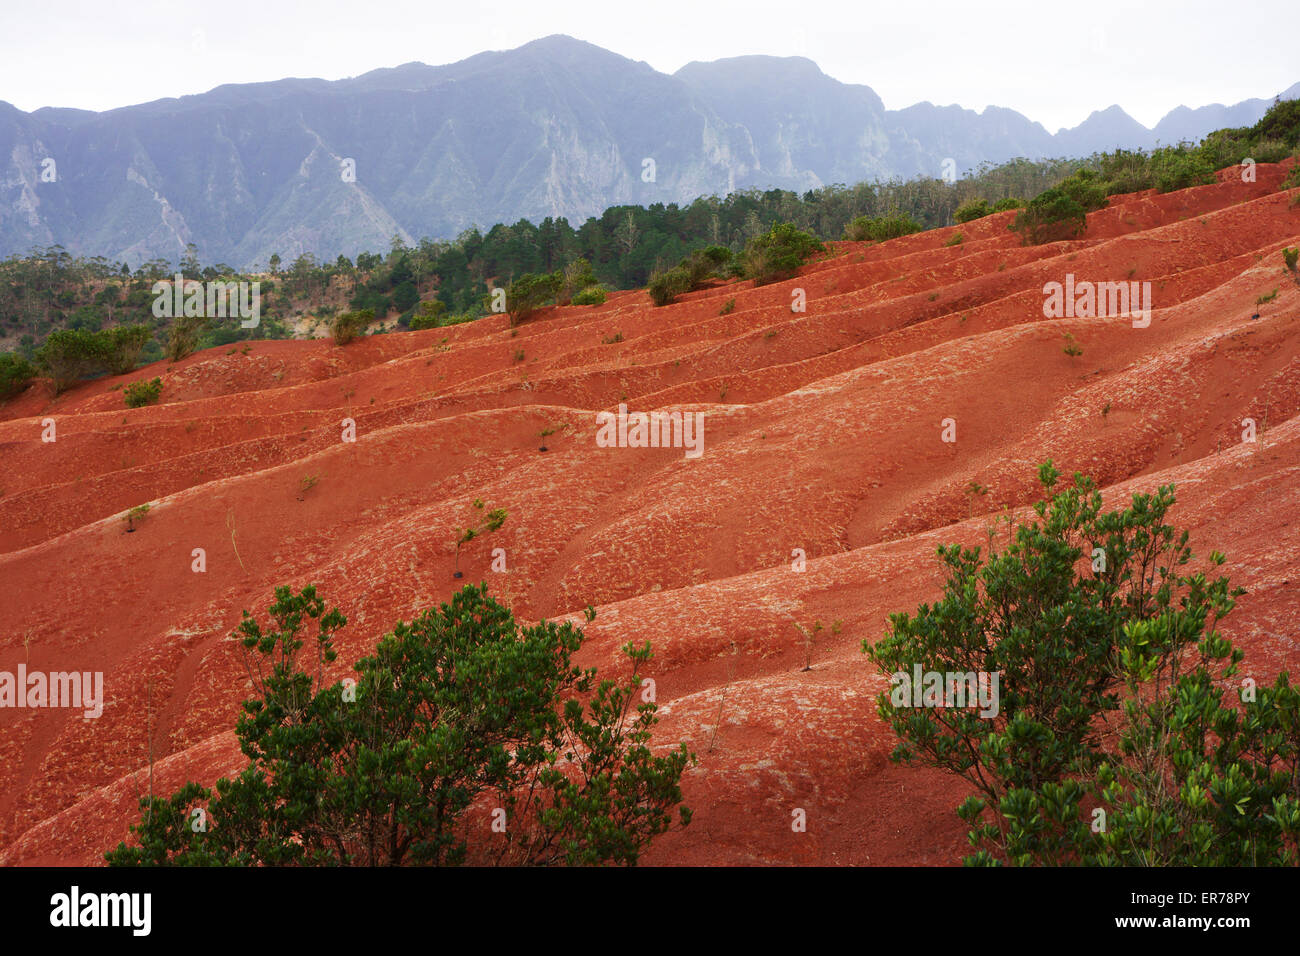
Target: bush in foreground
459, 721
1122, 734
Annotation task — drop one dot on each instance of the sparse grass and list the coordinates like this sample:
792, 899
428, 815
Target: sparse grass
810, 638
1071, 347
306, 484
770, 334
133, 515
1266, 298
933, 296
727, 307
519, 355
956, 240
612, 339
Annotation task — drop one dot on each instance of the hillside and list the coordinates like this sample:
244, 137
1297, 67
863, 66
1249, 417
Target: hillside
822, 433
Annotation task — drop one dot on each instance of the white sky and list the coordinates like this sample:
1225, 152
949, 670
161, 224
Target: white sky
1052, 60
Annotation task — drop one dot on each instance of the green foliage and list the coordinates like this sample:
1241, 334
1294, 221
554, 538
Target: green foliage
689, 274
575, 277
956, 239
529, 292
1289, 257
138, 513
728, 307
70, 355
778, 253
349, 326
1181, 170
183, 336
664, 287
1281, 123
122, 347
592, 295
16, 373
429, 316
975, 209
1011, 202
1111, 696
457, 712
1062, 211
142, 392
485, 523
880, 228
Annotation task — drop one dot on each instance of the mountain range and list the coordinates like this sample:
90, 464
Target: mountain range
557, 127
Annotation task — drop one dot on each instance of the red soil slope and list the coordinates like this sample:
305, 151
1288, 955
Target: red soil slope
822, 432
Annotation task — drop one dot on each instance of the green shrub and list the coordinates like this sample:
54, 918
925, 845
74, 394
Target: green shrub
143, 392
70, 355
348, 326
778, 253
1011, 202
1057, 213
1281, 123
956, 239
973, 209
727, 307
123, 345
1175, 169
459, 706
429, 315
880, 228
577, 276
1289, 257
592, 295
529, 292
1110, 742
664, 287
183, 336
705, 263
16, 373
1087, 188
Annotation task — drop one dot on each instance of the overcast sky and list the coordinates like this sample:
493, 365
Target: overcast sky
1055, 62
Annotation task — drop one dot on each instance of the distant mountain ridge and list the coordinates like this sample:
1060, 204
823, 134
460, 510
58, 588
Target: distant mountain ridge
557, 127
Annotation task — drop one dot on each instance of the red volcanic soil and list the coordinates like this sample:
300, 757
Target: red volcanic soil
822, 433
